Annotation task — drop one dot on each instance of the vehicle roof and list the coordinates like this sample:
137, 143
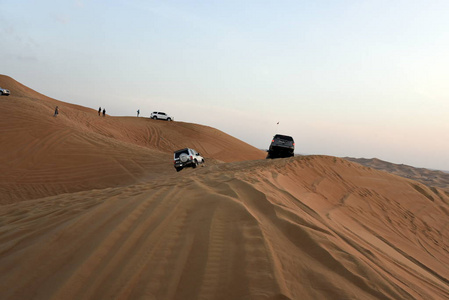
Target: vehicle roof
285, 137
183, 149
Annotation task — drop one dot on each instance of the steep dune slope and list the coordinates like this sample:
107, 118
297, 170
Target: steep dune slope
298, 228
42, 155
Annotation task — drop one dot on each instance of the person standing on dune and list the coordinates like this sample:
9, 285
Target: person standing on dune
138, 112
56, 111
104, 112
99, 111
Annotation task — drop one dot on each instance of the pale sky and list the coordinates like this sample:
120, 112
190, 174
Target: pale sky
344, 78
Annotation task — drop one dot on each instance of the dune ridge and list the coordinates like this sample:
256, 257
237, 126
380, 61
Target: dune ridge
91, 208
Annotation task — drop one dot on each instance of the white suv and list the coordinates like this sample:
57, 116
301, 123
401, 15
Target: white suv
187, 157
4, 92
158, 115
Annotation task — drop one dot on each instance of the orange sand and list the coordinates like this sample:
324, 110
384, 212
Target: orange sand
92, 208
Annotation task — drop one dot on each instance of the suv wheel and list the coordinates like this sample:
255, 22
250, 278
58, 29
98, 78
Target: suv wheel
183, 157
178, 169
195, 164
154, 117
169, 119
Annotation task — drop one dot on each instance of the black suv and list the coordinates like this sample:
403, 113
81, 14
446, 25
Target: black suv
281, 146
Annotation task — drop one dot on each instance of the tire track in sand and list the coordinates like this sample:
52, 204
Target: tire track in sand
39, 149
215, 268
238, 261
162, 257
108, 253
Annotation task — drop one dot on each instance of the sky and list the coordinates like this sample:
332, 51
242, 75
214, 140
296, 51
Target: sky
344, 78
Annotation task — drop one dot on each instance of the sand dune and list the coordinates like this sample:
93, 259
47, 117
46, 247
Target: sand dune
313, 227
432, 178
44, 155
302, 228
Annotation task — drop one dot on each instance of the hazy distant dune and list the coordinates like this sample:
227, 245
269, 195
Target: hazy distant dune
433, 178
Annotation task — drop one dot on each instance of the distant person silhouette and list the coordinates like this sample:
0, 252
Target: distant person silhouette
104, 112
138, 112
56, 112
99, 111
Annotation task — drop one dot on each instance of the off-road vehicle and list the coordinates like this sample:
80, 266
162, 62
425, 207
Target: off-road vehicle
158, 115
4, 92
281, 146
187, 157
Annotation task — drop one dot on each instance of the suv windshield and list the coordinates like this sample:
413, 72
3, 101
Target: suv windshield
284, 137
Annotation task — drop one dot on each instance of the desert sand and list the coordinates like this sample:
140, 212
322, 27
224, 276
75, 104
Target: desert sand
431, 178
92, 208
